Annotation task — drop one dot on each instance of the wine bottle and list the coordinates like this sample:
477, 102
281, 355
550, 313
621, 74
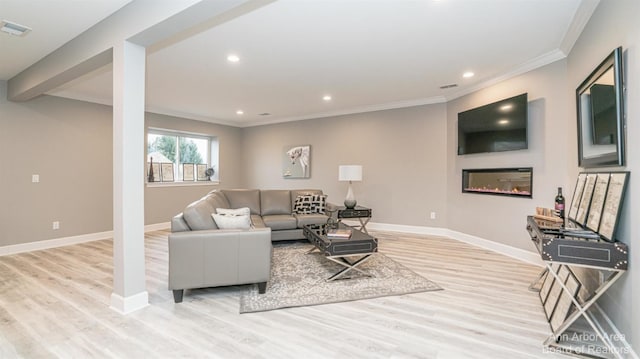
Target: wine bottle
559, 203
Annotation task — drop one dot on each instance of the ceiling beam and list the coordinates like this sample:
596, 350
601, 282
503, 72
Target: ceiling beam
149, 23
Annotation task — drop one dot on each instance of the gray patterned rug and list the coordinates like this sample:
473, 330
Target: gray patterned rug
299, 279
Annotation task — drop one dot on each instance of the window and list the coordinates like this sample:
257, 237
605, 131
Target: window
183, 151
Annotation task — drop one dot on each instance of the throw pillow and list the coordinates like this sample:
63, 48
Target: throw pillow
308, 204
244, 211
232, 222
226, 218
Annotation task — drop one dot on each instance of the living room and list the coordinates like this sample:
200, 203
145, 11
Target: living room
408, 156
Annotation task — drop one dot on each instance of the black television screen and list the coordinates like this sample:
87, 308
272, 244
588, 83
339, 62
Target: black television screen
496, 127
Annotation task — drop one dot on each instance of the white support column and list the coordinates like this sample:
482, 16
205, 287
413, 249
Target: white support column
129, 289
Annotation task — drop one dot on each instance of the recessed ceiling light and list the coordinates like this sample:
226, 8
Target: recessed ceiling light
468, 74
233, 58
239, 112
13, 28
327, 97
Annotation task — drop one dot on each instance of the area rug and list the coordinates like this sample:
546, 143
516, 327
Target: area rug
299, 279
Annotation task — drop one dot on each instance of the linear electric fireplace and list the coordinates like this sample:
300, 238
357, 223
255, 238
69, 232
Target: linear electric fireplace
515, 182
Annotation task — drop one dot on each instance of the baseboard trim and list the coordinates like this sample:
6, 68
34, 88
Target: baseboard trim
67, 241
130, 304
54, 243
513, 252
157, 226
516, 253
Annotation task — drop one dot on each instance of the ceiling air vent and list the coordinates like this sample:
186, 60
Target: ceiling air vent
13, 28
448, 86
265, 114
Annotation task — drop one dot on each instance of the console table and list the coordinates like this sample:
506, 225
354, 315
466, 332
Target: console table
562, 256
363, 215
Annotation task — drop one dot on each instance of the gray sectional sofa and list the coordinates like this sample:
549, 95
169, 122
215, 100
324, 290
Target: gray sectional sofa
203, 255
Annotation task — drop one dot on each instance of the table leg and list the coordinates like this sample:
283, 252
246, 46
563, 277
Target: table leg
348, 266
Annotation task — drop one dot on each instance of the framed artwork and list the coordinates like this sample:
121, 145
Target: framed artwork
577, 195
555, 291
597, 201
585, 201
201, 169
546, 285
296, 161
563, 307
167, 172
155, 167
612, 203
187, 172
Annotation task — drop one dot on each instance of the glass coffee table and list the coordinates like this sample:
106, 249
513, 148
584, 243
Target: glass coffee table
360, 246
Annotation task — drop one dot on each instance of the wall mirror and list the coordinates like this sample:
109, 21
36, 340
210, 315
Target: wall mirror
601, 127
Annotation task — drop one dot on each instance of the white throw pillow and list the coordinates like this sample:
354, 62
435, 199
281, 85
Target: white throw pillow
232, 222
244, 211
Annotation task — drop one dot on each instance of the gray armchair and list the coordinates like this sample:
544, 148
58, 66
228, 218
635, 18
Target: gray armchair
210, 258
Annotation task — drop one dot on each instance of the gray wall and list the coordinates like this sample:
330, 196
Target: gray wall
550, 134
615, 23
68, 143
402, 153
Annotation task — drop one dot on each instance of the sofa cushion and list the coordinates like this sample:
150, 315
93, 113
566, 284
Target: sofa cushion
302, 192
178, 224
224, 221
308, 204
315, 218
275, 201
243, 198
257, 222
198, 215
280, 221
217, 199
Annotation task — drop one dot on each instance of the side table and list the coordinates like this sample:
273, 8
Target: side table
363, 215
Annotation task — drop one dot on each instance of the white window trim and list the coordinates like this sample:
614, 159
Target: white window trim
179, 183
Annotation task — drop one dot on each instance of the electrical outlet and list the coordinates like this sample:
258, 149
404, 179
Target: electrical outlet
433, 215
56, 225
35, 178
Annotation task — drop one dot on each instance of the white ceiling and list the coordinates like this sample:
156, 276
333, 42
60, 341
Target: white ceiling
367, 54
53, 23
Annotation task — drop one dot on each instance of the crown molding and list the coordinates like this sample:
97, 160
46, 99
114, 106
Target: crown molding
579, 21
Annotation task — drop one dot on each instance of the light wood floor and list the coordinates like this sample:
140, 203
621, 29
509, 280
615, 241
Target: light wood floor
55, 303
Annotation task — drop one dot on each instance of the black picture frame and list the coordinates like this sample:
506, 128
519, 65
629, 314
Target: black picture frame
577, 196
602, 116
157, 177
201, 169
167, 171
565, 300
585, 200
613, 205
597, 201
556, 290
188, 174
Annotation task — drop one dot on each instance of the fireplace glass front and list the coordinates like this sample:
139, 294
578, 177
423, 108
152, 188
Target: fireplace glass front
516, 182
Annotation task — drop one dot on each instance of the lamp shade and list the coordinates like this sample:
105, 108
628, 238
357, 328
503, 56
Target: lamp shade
350, 173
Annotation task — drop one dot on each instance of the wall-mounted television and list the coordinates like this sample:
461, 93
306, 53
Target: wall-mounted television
496, 127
